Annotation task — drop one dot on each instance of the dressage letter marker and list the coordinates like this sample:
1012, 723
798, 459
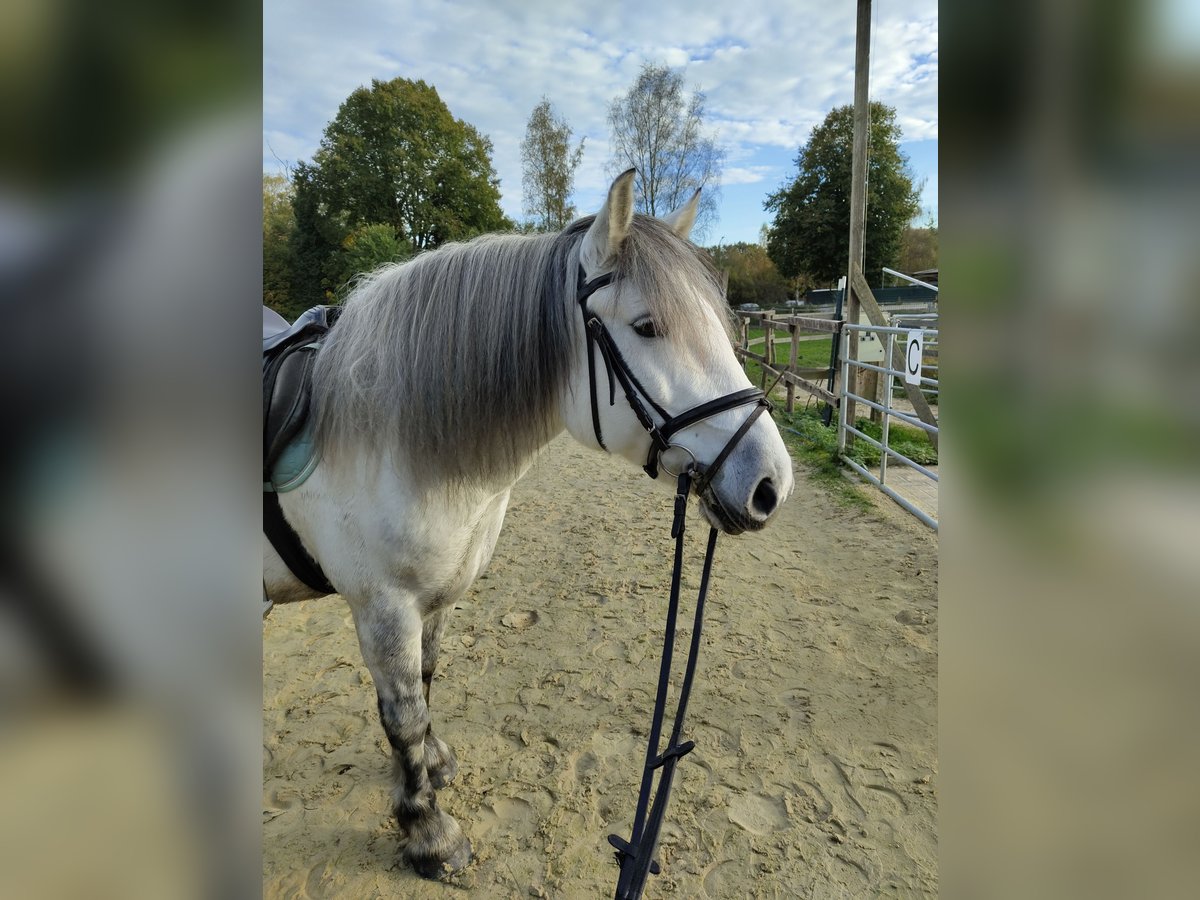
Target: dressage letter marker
913, 352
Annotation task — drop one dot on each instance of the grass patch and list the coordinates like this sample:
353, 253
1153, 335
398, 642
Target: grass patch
814, 353
815, 444
809, 354
753, 369
905, 439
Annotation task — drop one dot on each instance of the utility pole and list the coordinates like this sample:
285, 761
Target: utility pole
858, 184
858, 294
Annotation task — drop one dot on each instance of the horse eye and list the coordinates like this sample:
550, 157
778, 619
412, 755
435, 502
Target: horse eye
646, 328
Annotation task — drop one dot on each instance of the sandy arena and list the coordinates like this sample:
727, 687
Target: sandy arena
814, 711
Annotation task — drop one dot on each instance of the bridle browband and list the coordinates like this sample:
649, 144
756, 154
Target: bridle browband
636, 856
660, 434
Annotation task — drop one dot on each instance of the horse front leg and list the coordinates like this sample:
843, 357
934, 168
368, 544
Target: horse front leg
440, 763
390, 633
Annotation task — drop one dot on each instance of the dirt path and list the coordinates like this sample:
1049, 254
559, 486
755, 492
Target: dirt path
814, 713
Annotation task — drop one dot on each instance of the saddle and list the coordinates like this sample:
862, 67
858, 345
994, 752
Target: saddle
289, 352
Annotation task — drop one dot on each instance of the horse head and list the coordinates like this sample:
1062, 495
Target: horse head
655, 378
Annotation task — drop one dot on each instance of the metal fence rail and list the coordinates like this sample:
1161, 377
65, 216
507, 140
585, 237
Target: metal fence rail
928, 385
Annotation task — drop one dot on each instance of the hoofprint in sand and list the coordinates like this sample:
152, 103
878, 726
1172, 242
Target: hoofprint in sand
814, 711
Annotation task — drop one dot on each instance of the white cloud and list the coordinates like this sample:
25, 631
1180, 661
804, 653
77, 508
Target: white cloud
747, 174
770, 71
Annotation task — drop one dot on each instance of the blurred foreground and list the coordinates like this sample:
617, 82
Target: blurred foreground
1070, 619
129, 635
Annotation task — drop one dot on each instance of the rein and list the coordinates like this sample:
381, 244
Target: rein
636, 856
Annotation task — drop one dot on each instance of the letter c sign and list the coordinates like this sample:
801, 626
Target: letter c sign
913, 353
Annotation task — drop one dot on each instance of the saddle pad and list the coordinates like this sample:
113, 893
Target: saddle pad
295, 463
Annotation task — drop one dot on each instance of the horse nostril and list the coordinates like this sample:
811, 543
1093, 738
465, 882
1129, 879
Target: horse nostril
765, 498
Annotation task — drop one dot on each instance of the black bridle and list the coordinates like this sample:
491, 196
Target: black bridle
636, 856
660, 434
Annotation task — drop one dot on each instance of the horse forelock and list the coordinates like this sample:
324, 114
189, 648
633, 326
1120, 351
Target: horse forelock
455, 362
675, 279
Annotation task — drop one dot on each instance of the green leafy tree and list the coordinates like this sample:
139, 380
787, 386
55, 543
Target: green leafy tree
279, 226
753, 277
366, 249
315, 240
918, 248
657, 128
548, 167
810, 234
393, 155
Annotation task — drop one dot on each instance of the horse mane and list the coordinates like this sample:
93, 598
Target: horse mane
456, 361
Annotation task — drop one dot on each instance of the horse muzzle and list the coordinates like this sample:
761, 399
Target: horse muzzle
751, 516
746, 495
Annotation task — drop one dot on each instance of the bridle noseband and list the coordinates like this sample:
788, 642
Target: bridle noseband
660, 434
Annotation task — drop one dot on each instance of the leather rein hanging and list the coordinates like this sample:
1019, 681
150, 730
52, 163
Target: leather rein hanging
636, 856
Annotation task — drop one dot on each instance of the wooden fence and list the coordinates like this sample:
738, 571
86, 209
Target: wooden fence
786, 371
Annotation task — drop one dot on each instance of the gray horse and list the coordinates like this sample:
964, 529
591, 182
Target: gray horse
442, 380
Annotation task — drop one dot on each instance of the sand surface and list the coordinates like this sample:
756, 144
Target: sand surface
814, 711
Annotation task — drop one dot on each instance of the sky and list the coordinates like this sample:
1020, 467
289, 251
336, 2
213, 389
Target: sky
770, 71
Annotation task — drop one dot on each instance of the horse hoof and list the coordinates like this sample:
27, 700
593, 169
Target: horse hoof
438, 869
445, 851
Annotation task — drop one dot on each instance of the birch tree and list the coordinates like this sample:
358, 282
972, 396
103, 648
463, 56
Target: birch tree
659, 129
548, 169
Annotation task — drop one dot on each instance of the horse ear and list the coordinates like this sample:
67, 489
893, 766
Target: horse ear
612, 224
682, 220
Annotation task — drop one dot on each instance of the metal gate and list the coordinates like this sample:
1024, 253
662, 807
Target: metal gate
914, 486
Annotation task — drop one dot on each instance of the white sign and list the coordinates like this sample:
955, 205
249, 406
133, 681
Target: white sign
913, 351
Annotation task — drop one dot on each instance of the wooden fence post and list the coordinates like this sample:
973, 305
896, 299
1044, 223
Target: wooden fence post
793, 333
744, 325
769, 331
868, 384
766, 354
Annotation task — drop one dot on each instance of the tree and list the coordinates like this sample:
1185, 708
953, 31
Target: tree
659, 130
279, 225
811, 231
393, 155
366, 249
918, 248
753, 278
314, 241
548, 169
